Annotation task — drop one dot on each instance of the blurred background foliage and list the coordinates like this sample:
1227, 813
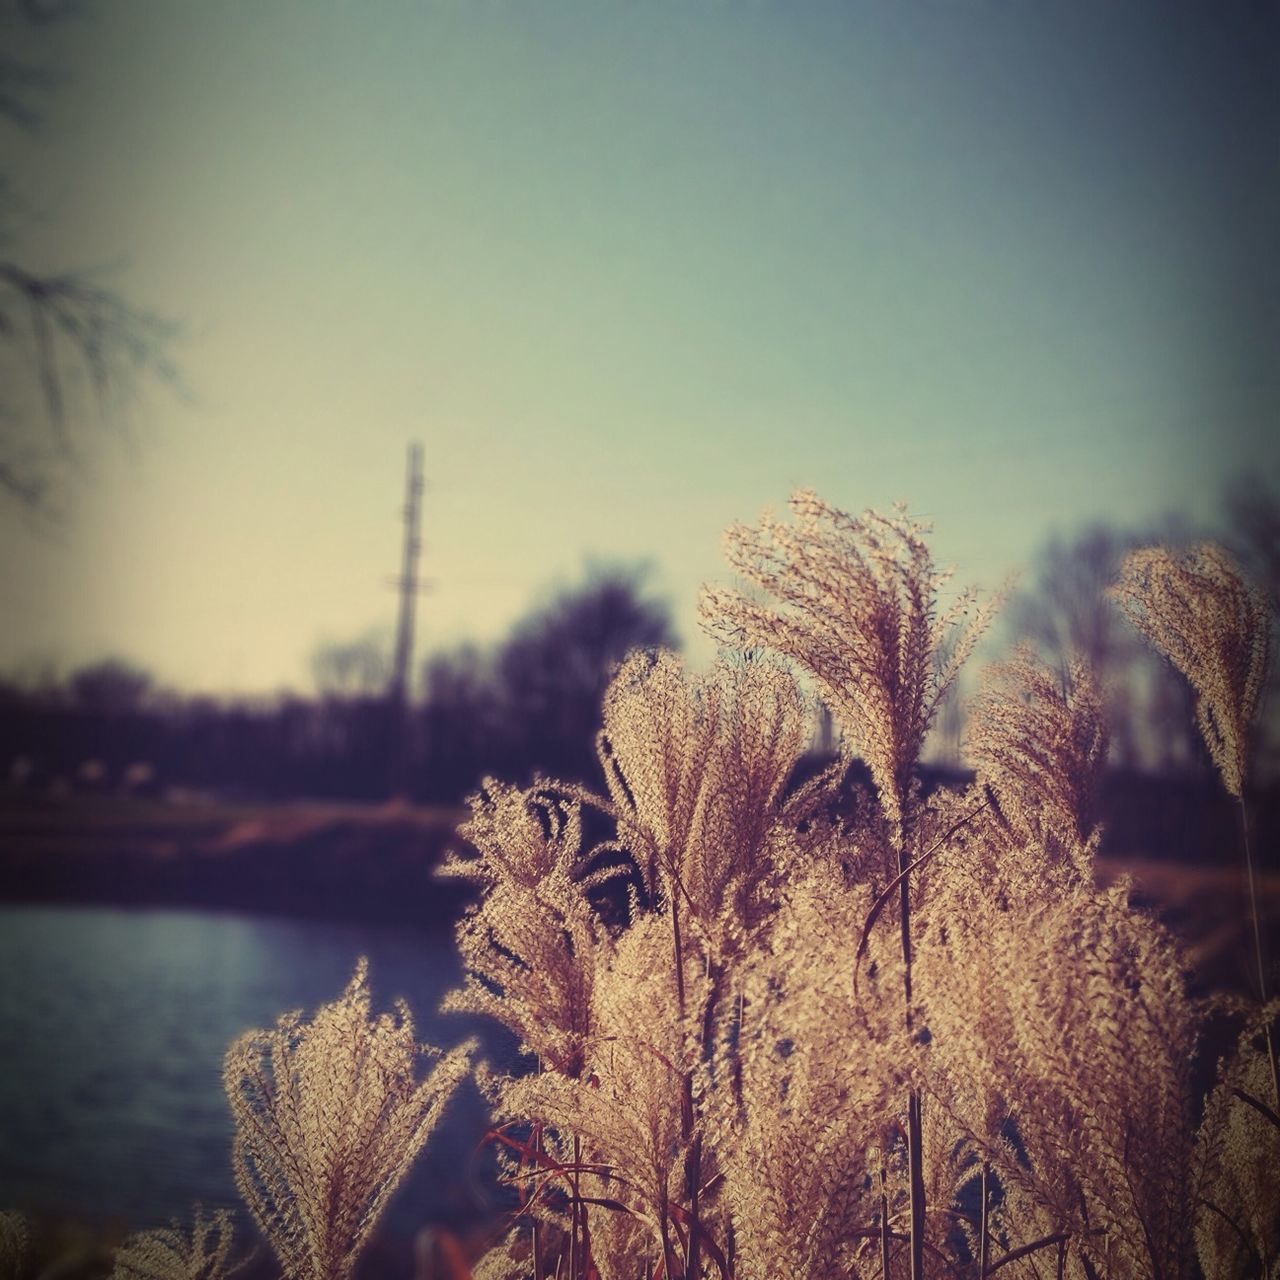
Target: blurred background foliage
530, 703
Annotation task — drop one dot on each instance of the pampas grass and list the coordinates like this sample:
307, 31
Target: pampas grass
821, 1031
329, 1117
779, 1076
203, 1253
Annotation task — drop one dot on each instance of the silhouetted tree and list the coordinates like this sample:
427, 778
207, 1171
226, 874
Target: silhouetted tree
461, 723
1252, 510
552, 671
355, 724
110, 687
356, 668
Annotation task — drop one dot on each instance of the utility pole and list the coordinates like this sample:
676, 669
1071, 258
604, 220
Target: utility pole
409, 587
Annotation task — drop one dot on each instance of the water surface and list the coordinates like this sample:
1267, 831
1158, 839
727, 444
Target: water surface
113, 1025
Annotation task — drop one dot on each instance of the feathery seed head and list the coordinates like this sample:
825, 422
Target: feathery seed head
173, 1254
1237, 1155
625, 1107
1198, 611
328, 1120
855, 603
521, 836
696, 768
1039, 741
1066, 1021
530, 946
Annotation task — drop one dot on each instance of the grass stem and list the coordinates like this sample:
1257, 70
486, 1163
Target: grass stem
915, 1165
884, 1225
984, 1229
915, 1143
1259, 954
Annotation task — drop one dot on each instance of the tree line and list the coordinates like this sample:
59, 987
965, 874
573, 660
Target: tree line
531, 703
528, 704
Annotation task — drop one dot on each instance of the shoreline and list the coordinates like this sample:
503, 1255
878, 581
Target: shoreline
371, 864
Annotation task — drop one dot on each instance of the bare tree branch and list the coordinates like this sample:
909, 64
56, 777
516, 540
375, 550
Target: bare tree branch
63, 331
74, 327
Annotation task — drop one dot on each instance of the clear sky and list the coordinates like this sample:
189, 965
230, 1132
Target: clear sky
631, 271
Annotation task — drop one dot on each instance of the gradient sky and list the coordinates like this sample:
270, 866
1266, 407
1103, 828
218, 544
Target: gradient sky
630, 272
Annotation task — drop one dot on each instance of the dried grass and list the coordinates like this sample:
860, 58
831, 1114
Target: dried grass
917, 1037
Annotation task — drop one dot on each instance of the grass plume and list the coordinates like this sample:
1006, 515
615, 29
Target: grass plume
746, 1066
203, 1253
1199, 612
329, 1117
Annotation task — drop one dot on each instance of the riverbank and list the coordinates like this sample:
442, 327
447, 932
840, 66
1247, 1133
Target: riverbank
347, 862
374, 864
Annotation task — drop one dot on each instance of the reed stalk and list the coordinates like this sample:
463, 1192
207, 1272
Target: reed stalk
984, 1229
915, 1154
537, 1224
693, 1159
575, 1210
884, 1225
1259, 954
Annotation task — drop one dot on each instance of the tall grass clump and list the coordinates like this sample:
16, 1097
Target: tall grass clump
329, 1117
817, 1029
14, 1237
778, 1022
1199, 612
203, 1253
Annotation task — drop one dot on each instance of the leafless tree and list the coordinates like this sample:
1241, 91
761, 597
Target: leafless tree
1252, 510
110, 686
71, 348
357, 668
553, 669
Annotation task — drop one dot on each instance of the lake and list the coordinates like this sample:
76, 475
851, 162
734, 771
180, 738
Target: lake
113, 1025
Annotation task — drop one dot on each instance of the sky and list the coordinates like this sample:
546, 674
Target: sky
629, 272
